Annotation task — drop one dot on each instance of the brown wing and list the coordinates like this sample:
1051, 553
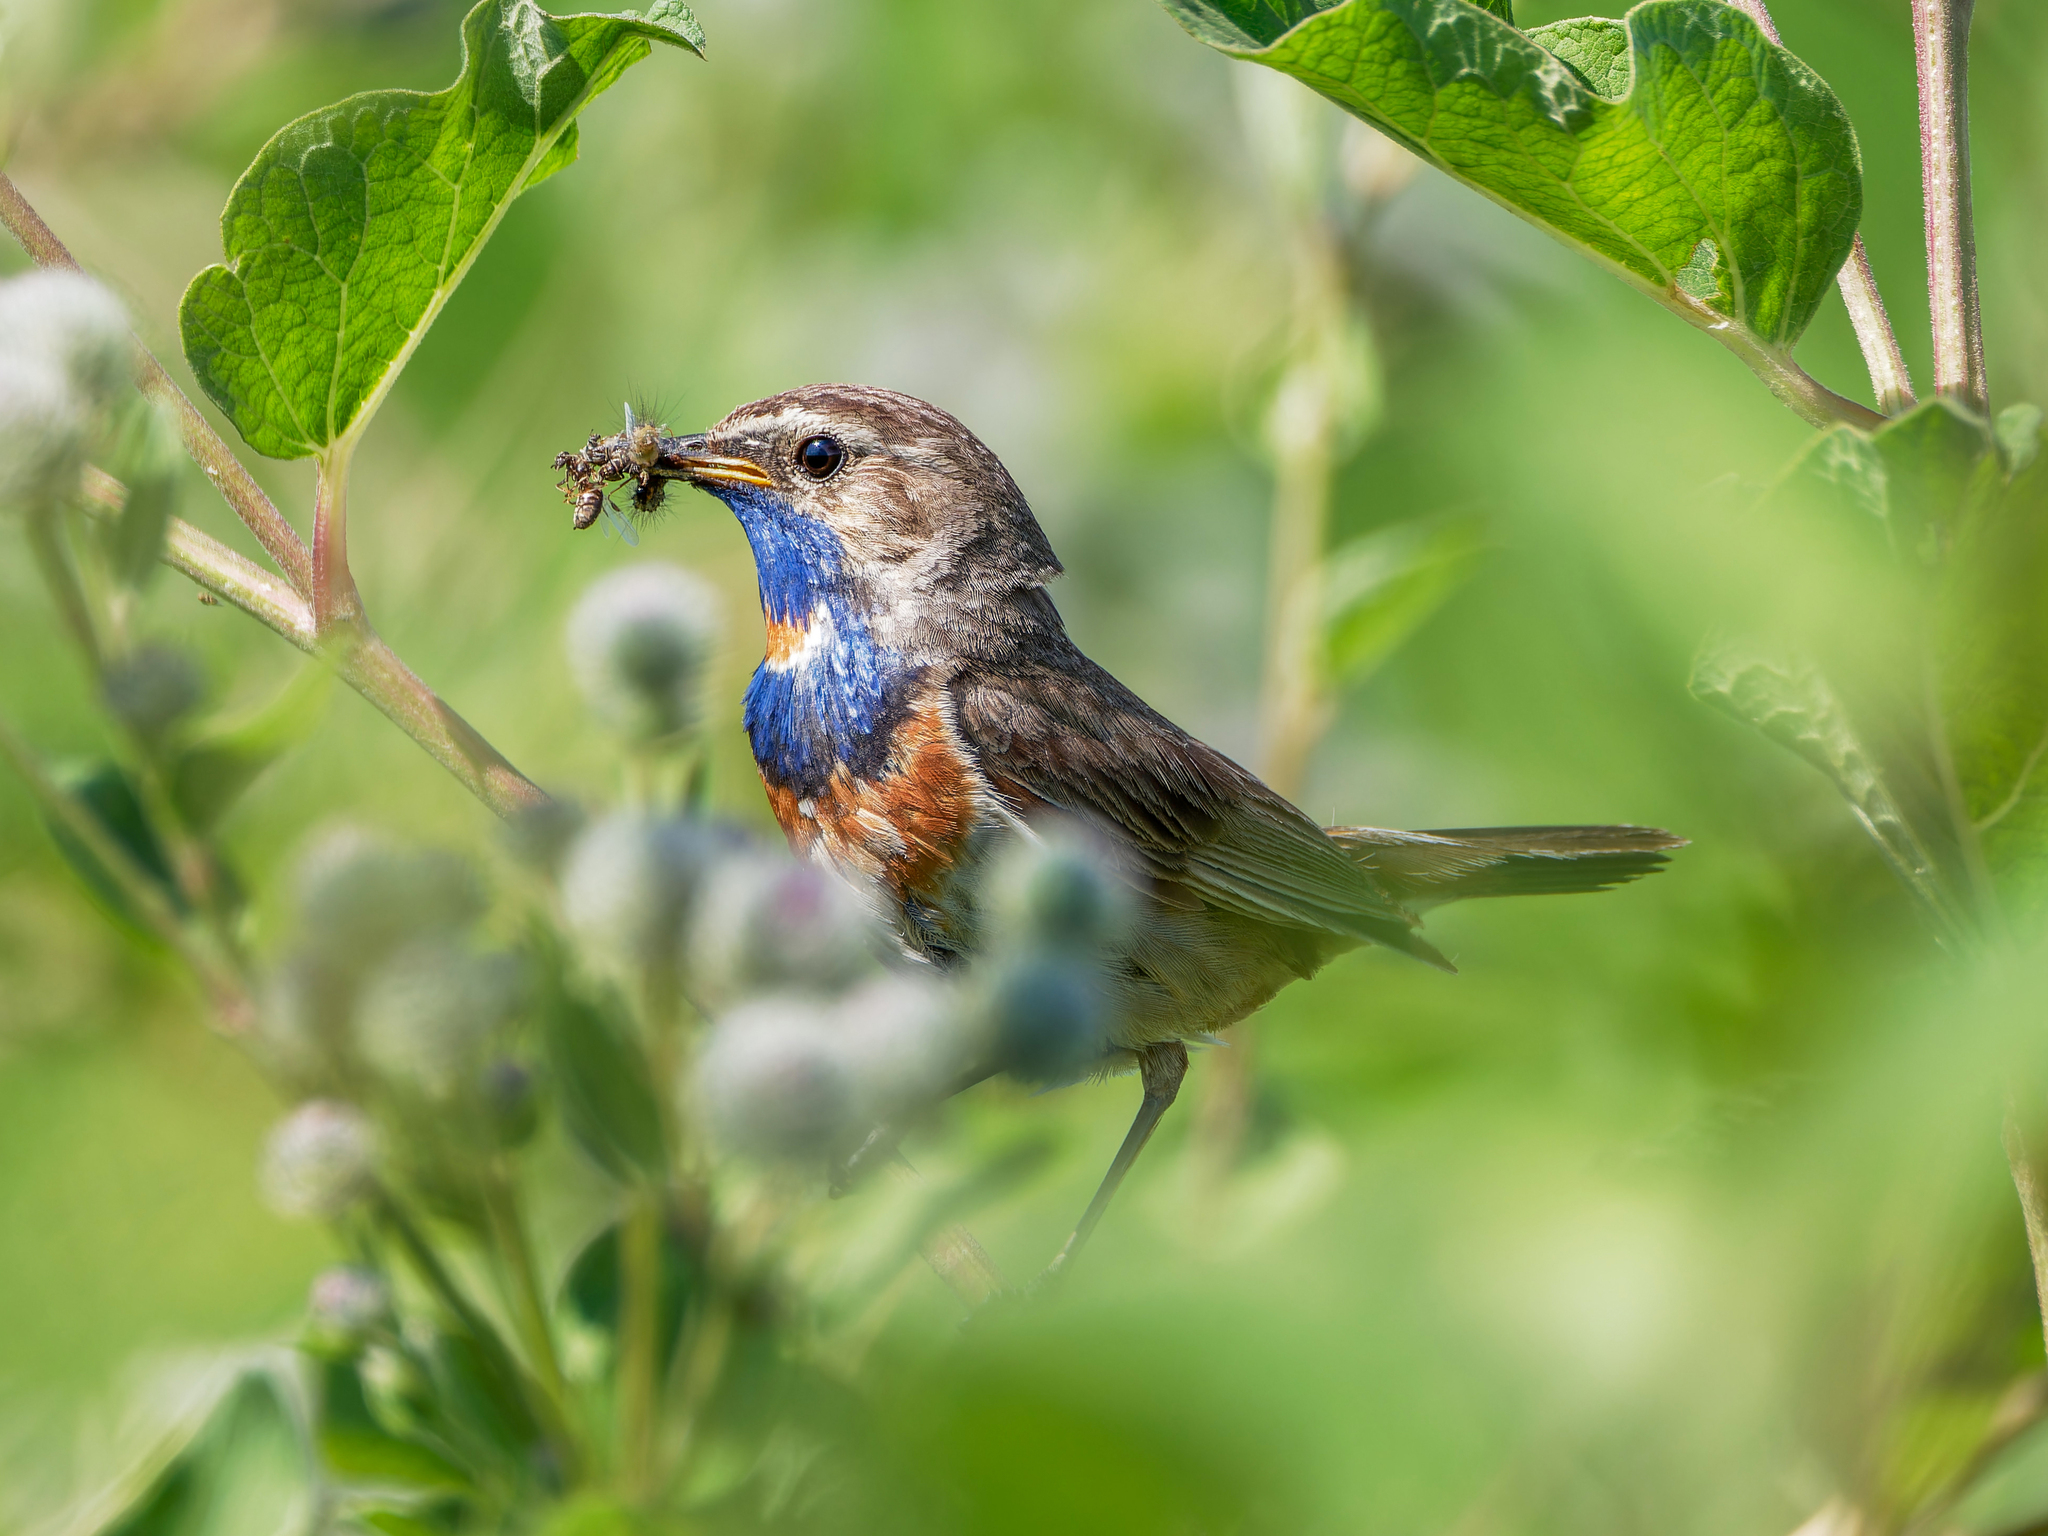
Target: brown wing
1068, 735
1427, 869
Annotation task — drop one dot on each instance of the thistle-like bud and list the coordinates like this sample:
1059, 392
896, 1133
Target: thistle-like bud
639, 642
67, 319
42, 432
426, 1015
152, 688
628, 885
360, 896
510, 1103
775, 1080
345, 1306
769, 923
1059, 892
1048, 1016
320, 1160
907, 1040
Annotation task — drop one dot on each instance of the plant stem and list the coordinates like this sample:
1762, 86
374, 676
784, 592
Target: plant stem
1812, 400
336, 603
640, 1362
2033, 1208
1889, 379
60, 575
236, 486
1941, 35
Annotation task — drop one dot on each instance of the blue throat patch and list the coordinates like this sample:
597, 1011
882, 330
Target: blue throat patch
840, 703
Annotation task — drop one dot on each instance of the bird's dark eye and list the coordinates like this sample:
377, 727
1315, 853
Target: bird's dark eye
821, 457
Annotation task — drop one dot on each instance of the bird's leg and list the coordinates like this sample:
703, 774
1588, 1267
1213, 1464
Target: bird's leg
1160, 1069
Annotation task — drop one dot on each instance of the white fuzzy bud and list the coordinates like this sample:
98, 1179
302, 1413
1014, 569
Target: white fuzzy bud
67, 319
639, 642
42, 432
907, 1040
776, 1081
348, 1302
362, 895
320, 1160
628, 885
769, 923
427, 1014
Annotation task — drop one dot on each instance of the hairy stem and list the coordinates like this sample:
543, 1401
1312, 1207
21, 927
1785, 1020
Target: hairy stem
241, 492
525, 1300
2033, 1208
1810, 399
640, 1362
60, 574
1941, 35
1889, 379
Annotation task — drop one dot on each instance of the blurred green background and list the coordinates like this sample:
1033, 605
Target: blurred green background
1680, 1209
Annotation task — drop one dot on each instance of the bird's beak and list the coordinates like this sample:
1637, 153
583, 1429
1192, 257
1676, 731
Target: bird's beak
688, 458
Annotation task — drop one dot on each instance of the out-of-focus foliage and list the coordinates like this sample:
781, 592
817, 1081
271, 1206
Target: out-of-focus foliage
1680, 1208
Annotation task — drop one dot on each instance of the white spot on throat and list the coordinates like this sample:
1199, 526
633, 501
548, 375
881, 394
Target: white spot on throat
819, 633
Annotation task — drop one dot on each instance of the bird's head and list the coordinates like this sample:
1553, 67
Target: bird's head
874, 489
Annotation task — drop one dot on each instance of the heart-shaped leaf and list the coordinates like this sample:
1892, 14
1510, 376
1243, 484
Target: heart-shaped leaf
354, 224
1679, 147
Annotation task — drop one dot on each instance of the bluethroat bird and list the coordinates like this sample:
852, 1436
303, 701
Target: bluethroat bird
921, 703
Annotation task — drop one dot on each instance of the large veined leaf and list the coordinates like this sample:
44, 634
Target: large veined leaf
1679, 146
354, 224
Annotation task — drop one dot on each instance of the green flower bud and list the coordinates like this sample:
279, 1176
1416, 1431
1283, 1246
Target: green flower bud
1058, 892
1048, 1016
906, 1039
639, 642
42, 432
320, 1160
152, 688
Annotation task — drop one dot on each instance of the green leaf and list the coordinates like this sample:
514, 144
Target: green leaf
355, 1445
1701, 162
107, 792
246, 1473
217, 766
601, 1076
592, 1291
1993, 651
1793, 705
353, 225
1382, 587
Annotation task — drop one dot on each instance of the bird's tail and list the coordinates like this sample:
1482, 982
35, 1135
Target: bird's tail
1426, 869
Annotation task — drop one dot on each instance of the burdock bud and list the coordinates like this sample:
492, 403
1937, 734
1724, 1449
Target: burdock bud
152, 688
361, 896
67, 319
1048, 1017
320, 1160
907, 1040
772, 923
511, 1105
426, 1015
775, 1080
628, 885
42, 431
639, 641
1058, 892
347, 1304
